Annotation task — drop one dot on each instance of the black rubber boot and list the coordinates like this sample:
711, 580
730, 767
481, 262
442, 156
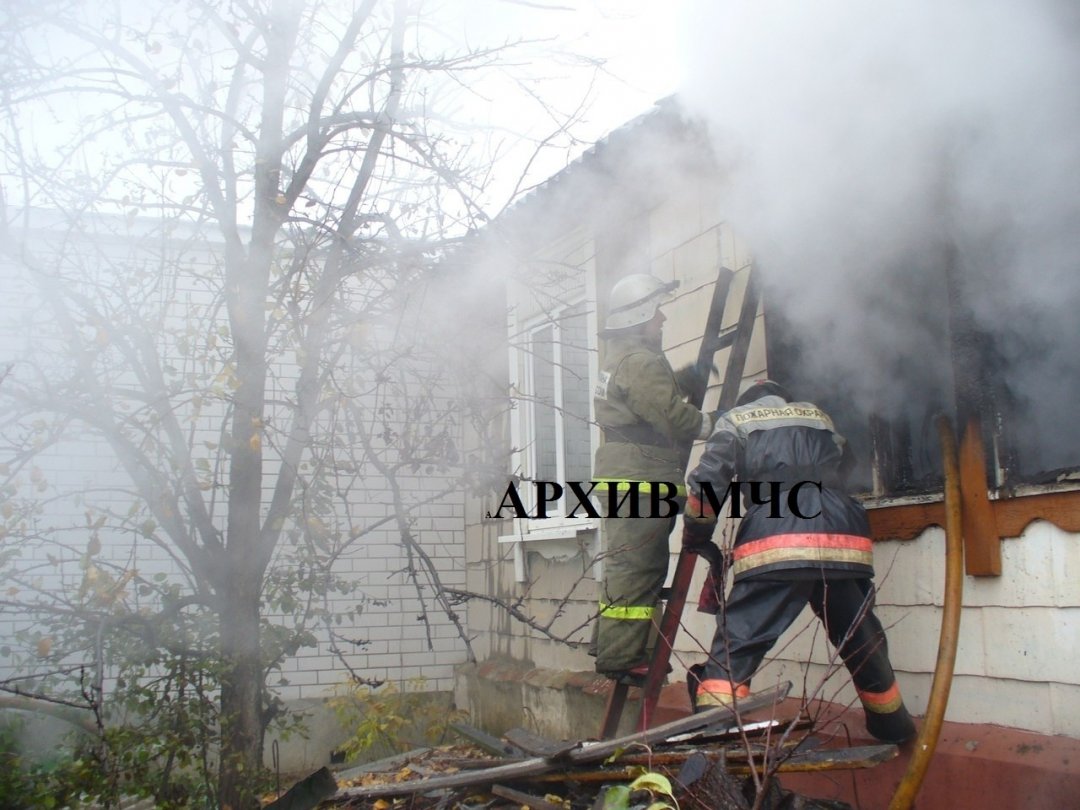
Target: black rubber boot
694, 676
894, 727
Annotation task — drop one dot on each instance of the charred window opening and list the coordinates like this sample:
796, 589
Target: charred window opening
1034, 437
1017, 380
883, 401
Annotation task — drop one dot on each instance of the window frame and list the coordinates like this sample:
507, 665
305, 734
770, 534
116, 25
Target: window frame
556, 537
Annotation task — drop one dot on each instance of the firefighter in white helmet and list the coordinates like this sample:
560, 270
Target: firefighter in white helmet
648, 425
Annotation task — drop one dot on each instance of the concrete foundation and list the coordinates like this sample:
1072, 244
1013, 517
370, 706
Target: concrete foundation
500, 694
303, 754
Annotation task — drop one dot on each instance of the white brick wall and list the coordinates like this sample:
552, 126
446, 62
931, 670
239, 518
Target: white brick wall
398, 648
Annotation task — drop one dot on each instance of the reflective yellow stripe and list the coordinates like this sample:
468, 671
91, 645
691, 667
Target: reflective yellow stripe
622, 485
816, 555
626, 612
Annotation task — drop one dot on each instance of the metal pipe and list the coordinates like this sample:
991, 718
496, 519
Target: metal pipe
926, 742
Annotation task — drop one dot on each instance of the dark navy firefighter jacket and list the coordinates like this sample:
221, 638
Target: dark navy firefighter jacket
770, 440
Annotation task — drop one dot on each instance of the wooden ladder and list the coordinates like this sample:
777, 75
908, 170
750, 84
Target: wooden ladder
715, 338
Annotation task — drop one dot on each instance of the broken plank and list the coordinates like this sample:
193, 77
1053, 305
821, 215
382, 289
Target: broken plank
830, 759
593, 752
385, 765
749, 730
538, 746
467, 764
675, 748
500, 773
587, 753
488, 742
836, 759
524, 799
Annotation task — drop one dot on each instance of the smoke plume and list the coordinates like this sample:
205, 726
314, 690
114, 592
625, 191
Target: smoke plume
866, 145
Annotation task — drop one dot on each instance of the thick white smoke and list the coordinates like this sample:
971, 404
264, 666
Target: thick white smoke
860, 139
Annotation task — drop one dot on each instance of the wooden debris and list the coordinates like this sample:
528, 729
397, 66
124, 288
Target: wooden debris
711, 758
584, 754
488, 742
718, 734
737, 763
716, 783
539, 746
524, 799
827, 759
386, 765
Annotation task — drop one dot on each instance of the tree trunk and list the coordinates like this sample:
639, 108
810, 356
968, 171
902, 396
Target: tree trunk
241, 698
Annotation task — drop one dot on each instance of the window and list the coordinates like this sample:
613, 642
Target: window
553, 358
885, 397
557, 384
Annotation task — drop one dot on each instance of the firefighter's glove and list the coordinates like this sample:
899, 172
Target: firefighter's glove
694, 376
697, 533
698, 511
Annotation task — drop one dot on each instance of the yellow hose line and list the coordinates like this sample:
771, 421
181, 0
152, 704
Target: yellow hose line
926, 742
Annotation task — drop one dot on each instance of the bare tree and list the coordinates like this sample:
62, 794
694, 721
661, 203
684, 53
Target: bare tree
226, 211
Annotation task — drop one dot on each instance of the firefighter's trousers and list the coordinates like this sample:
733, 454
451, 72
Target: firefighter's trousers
635, 566
758, 611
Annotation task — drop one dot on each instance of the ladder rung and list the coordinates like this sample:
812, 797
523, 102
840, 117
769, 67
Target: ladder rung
725, 338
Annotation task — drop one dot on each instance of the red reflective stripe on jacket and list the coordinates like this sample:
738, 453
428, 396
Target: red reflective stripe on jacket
802, 550
852, 542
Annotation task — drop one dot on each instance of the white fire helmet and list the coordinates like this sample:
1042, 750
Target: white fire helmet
635, 299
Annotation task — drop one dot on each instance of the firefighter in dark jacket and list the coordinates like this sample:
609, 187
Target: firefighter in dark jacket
806, 542
648, 427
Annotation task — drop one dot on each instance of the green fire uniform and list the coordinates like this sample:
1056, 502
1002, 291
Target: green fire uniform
648, 426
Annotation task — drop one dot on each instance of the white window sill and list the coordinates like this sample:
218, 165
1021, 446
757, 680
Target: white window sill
560, 542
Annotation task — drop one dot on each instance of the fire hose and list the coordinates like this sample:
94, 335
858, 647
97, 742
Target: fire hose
926, 742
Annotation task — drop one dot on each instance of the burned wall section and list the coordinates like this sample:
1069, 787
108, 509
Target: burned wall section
868, 155
917, 347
